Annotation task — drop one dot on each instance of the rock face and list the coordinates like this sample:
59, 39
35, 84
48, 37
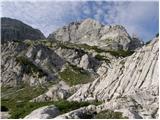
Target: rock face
12, 29
45, 59
93, 33
81, 113
84, 63
4, 115
22, 63
39, 62
46, 112
56, 92
134, 78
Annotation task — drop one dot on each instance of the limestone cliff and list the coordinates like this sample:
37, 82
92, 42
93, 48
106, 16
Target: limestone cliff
129, 82
93, 33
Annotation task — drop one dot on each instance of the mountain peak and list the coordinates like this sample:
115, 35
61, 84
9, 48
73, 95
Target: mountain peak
93, 33
89, 20
13, 29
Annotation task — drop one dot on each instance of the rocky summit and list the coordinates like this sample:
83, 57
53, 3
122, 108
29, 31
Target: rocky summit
93, 33
82, 70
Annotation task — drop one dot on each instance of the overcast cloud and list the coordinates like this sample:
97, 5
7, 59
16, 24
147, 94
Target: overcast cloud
141, 18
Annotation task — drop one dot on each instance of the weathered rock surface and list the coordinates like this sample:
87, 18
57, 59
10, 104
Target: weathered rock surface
29, 64
81, 113
126, 84
37, 63
93, 33
134, 77
12, 29
4, 115
46, 112
56, 92
47, 58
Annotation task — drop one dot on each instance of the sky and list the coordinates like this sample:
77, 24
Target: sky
138, 17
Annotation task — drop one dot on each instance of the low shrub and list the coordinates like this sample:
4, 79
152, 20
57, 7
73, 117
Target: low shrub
74, 75
108, 114
4, 108
17, 100
29, 67
100, 57
21, 109
121, 53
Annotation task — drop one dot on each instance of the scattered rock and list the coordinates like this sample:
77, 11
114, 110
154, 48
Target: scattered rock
46, 112
56, 92
84, 63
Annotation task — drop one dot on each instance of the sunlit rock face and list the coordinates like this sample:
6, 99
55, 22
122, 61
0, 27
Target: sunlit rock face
93, 33
133, 79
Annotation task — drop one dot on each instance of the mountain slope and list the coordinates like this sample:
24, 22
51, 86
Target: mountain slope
12, 29
133, 79
84, 61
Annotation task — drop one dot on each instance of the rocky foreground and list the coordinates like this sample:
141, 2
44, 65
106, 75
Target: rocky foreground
83, 70
130, 86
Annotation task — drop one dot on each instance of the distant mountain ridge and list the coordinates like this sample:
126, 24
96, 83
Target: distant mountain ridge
12, 29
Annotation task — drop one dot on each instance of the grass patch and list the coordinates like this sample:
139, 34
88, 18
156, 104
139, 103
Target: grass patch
121, 53
100, 58
108, 114
17, 100
24, 94
118, 53
29, 67
74, 75
88, 47
44, 42
85, 47
21, 109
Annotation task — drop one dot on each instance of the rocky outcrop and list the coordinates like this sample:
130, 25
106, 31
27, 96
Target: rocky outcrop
34, 65
93, 33
134, 77
46, 112
39, 62
56, 92
84, 63
81, 113
125, 76
4, 115
45, 59
12, 29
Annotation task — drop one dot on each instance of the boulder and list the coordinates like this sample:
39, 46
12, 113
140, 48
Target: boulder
46, 112
84, 63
